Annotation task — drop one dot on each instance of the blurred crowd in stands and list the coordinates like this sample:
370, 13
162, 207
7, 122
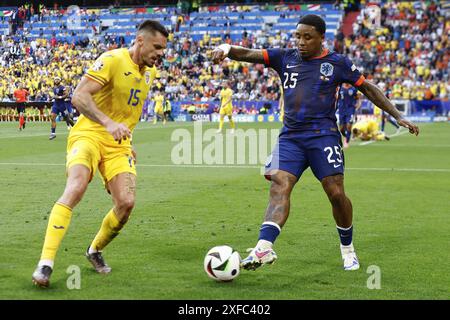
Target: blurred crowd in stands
408, 56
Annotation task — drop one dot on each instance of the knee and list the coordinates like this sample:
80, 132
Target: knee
74, 192
124, 207
280, 188
336, 195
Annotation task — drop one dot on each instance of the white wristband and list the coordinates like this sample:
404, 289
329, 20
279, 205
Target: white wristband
225, 47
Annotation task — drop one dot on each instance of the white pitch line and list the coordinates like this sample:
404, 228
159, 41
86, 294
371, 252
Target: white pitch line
64, 134
193, 166
412, 145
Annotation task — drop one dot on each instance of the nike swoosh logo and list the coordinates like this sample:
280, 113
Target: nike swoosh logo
58, 227
336, 165
127, 73
262, 254
289, 66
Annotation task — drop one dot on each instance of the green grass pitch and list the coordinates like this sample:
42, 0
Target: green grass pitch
400, 192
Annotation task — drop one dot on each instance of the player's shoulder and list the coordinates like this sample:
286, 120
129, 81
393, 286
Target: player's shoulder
113, 54
290, 52
337, 58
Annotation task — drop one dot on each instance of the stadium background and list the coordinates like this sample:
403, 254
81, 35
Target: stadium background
406, 55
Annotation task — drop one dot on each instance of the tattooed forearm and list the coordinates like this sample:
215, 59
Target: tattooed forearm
244, 54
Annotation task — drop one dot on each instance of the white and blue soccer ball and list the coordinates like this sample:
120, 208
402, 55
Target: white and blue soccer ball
222, 263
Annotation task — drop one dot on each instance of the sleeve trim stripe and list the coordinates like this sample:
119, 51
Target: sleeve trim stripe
360, 81
95, 79
266, 57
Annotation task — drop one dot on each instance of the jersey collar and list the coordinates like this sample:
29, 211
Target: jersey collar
325, 52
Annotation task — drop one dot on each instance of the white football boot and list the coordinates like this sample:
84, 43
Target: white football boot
349, 257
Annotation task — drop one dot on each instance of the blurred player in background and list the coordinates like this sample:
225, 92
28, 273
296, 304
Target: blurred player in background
68, 102
347, 105
158, 111
109, 98
60, 95
368, 130
226, 106
310, 75
383, 117
167, 107
21, 97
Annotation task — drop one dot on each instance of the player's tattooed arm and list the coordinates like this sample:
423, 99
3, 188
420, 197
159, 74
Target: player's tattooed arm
83, 101
374, 94
237, 53
247, 55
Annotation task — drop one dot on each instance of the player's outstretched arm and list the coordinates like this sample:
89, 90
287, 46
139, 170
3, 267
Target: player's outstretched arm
236, 53
374, 94
83, 101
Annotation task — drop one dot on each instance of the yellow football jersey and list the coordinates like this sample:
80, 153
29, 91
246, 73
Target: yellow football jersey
158, 101
125, 87
368, 128
377, 111
225, 95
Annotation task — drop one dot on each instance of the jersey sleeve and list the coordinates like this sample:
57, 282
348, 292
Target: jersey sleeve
273, 58
351, 74
101, 71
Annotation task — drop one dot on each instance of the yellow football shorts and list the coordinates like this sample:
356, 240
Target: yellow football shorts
159, 110
108, 156
228, 111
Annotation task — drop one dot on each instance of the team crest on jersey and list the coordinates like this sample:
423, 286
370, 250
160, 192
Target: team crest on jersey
147, 77
98, 65
326, 69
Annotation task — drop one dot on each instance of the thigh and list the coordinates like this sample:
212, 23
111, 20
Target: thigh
58, 108
288, 155
69, 107
83, 151
344, 119
325, 156
123, 191
116, 160
20, 108
223, 111
122, 187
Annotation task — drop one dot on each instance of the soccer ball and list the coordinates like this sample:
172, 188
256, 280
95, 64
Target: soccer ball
222, 263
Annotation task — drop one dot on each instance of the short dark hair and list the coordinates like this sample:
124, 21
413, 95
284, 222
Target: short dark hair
315, 21
153, 25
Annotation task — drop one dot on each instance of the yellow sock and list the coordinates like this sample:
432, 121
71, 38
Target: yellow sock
221, 123
110, 228
56, 229
232, 124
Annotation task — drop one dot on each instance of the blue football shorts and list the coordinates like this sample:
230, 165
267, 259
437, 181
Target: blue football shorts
294, 152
